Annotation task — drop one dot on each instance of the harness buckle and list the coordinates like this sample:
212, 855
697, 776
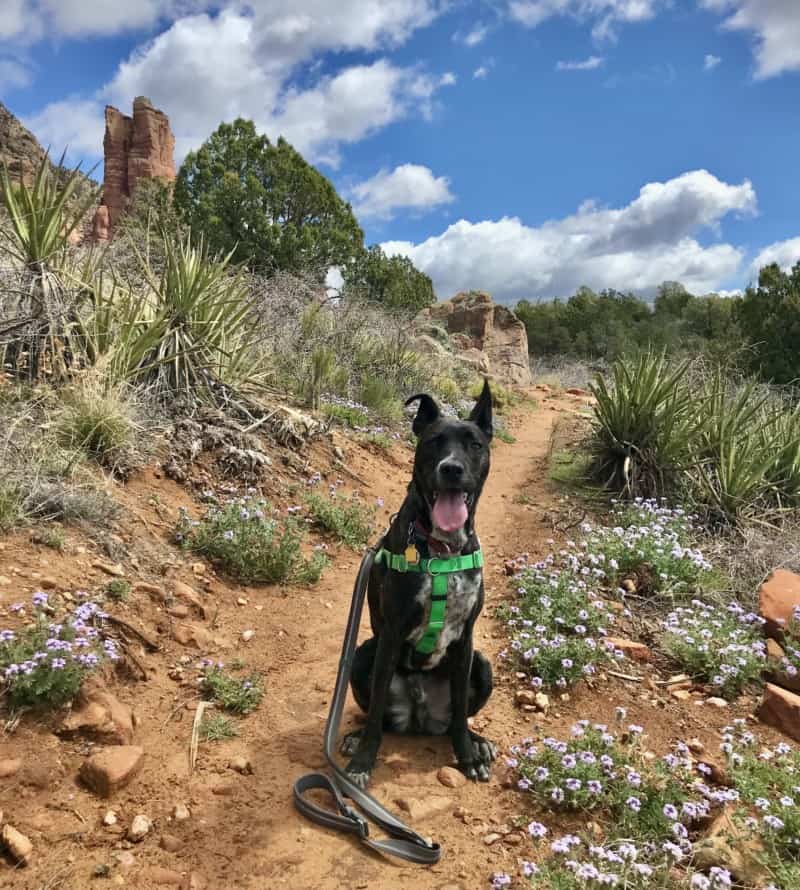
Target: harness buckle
432, 567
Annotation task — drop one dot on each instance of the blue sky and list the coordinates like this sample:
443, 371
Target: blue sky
525, 147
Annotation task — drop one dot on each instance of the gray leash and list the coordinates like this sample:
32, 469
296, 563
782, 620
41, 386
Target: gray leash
404, 843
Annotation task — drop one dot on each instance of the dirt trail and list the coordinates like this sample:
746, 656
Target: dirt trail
300, 855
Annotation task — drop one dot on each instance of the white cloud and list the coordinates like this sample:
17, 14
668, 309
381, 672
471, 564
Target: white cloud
72, 124
775, 25
634, 247
207, 69
481, 72
477, 34
605, 15
13, 74
589, 64
710, 62
784, 253
407, 187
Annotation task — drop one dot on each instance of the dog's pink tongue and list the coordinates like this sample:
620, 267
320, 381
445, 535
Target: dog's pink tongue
450, 511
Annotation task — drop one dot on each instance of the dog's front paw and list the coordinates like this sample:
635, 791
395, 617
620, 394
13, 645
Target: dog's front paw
478, 765
358, 778
361, 765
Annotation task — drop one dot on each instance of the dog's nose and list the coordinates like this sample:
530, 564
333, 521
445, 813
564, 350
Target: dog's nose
451, 470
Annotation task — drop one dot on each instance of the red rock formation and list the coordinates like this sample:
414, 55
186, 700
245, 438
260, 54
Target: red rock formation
134, 148
485, 333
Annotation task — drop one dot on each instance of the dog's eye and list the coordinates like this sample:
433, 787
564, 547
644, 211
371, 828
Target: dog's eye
475, 445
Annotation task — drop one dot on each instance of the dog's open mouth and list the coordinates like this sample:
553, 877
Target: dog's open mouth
450, 509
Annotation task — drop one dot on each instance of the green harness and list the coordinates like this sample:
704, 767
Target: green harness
438, 567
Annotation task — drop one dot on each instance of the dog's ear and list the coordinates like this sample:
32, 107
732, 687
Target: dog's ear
481, 414
427, 413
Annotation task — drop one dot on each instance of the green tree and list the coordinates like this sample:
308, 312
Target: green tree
265, 203
393, 281
769, 318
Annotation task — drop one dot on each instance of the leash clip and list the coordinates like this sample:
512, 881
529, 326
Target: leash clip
355, 816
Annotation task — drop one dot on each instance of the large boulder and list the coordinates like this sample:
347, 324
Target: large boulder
134, 148
492, 338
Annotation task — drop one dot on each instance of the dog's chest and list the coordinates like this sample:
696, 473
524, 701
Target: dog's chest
463, 589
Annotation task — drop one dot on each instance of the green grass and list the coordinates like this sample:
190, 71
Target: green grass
354, 418
378, 440
118, 589
504, 436
218, 728
239, 696
248, 540
49, 537
350, 520
11, 511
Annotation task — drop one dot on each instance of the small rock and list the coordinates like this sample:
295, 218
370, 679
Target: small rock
118, 881
178, 610
189, 595
9, 767
774, 650
631, 649
450, 777
629, 585
728, 845
781, 709
248, 635
188, 634
139, 828
170, 843
680, 694
777, 599
424, 808
198, 568
194, 881
491, 838
542, 702
125, 858
110, 818
241, 601
115, 569
111, 768
695, 746
162, 877
19, 847
716, 702
242, 765
524, 697
101, 870
152, 590
48, 583
180, 812
100, 715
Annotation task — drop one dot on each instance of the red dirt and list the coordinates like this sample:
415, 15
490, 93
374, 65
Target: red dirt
243, 831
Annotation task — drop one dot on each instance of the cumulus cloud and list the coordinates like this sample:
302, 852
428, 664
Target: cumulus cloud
481, 72
775, 25
634, 247
72, 124
13, 74
784, 253
589, 64
476, 34
205, 69
604, 15
710, 62
407, 187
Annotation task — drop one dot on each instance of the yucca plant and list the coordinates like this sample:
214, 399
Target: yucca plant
729, 457
42, 217
192, 332
780, 438
643, 425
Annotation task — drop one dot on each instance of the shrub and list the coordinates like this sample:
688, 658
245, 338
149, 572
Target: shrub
643, 425
97, 422
49, 537
556, 627
251, 543
381, 397
11, 511
118, 589
349, 519
218, 728
723, 647
346, 411
241, 696
43, 664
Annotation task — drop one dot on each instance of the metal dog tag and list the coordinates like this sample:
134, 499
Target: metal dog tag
411, 554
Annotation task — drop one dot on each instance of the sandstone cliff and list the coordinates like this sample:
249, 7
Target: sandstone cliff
134, 148
483, 333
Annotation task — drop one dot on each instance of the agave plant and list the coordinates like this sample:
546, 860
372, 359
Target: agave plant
780, 438
643, 425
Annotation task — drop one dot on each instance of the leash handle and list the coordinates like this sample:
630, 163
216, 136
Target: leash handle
404, 842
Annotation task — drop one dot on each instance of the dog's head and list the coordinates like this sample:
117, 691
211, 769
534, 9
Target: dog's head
452, 460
